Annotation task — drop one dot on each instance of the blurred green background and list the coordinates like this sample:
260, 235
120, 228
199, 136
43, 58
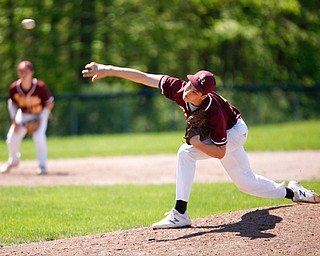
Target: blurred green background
265, 55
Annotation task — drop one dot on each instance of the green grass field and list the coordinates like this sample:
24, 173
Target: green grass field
286, 136
47, 213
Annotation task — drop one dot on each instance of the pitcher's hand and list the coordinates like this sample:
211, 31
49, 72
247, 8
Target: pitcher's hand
95, 70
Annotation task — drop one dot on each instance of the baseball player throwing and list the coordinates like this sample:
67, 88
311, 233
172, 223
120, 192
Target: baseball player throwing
30, 102
225, 142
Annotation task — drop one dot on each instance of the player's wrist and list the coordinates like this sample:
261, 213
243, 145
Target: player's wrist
104, 70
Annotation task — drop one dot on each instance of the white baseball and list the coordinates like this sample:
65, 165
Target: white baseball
28, 24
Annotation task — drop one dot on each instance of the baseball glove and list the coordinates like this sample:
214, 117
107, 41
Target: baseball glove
196, 125
32, 125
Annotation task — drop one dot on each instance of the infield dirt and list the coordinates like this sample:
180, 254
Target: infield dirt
292, 229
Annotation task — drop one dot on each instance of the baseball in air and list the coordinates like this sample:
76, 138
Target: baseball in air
28, 24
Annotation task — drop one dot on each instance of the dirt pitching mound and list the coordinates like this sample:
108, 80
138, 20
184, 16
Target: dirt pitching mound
281, 230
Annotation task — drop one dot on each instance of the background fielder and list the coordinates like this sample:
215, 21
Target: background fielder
29, 100
228, 134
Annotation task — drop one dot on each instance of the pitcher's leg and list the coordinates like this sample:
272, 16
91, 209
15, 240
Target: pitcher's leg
237, 165
186, 166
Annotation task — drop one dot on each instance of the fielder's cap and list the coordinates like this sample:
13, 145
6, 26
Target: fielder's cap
204, 81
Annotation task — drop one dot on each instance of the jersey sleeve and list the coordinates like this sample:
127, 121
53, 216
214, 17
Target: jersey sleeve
45, 94
171, 87
12, 91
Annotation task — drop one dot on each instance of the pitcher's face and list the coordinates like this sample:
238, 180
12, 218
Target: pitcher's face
192, 95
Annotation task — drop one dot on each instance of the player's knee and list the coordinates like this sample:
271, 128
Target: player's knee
13, 139
246, 183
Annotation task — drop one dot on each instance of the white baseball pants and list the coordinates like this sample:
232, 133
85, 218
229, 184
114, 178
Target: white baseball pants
235, 162
39, 137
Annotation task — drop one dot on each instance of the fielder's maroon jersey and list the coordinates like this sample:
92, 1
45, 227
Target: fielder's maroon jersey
221, 116
33, 100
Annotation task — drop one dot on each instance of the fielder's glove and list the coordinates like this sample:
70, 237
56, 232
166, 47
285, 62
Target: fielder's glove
32, 125
196, 125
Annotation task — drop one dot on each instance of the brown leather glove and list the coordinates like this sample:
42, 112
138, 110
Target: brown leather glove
196, 125
32, 125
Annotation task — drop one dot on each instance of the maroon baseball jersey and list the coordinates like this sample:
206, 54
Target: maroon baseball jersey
33, 100
221, 116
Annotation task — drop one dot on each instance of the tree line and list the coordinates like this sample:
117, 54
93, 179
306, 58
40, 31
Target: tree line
242, 42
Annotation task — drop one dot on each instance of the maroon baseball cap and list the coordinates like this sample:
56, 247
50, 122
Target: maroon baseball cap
204, 81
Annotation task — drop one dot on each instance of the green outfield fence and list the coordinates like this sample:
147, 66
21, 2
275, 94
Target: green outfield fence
148, 111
